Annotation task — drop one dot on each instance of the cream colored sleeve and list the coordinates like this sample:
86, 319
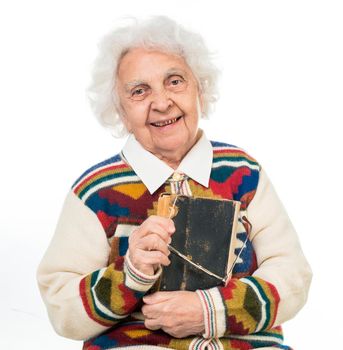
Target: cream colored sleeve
280, 259
78, 247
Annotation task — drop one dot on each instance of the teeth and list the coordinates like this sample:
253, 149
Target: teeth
167, 122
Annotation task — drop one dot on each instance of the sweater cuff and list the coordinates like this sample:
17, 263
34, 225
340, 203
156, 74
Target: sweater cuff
214, 312
137, 280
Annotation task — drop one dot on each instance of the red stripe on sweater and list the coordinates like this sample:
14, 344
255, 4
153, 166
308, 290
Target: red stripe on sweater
276, 297
114, 167
225, 150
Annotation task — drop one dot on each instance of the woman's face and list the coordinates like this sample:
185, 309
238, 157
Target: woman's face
160, 101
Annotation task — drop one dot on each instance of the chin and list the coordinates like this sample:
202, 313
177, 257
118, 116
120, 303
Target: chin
174, 144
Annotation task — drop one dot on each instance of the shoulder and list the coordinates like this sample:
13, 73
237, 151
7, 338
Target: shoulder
103, 174
236, 171
225, 154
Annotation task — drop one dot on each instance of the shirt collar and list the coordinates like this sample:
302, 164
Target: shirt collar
154, 172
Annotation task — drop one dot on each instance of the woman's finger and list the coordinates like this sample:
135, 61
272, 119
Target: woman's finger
159, 297
151, 311
165, 223
152, 323
155, 224
153, 242
153, 257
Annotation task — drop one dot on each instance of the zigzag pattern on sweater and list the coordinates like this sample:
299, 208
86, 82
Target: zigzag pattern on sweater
134, 333
114, 171
113, 191
107, 173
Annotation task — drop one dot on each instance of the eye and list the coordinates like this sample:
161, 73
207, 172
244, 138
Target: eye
176, 82
138, 92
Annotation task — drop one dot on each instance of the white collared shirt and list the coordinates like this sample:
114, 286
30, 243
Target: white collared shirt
154, 172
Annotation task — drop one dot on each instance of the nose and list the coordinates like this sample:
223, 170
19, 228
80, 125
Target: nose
161, 101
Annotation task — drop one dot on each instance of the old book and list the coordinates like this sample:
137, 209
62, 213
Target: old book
203, 244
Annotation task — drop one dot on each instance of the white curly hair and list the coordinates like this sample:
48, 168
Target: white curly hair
158, 33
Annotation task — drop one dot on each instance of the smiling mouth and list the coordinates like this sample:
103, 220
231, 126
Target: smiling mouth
166, 122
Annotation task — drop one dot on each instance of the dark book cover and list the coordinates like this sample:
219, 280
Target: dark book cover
205, 234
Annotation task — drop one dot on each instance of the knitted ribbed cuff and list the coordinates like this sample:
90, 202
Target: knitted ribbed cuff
137, 280
214, 312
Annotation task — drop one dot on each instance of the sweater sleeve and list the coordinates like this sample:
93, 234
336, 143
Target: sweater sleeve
83, 295
277, 290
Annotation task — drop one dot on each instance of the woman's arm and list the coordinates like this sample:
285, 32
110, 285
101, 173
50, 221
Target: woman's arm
277, 290
84, 296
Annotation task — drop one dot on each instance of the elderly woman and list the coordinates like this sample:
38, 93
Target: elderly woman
154, 80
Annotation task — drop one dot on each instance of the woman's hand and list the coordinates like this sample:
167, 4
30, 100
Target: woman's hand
179, 313
148, 244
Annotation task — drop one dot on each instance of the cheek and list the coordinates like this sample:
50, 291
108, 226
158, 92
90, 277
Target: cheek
135, 115
194, 111
191, 103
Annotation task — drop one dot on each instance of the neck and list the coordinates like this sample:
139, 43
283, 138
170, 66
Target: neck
172, 158
173, 163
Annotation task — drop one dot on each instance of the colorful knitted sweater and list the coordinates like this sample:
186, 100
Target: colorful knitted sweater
89, 299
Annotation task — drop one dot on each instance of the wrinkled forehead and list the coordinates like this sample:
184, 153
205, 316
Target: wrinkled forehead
141, 64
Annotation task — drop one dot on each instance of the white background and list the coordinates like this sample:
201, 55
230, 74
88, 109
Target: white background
281, 100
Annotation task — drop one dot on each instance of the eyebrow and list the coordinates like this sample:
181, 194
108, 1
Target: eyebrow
172, 71
128, 86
